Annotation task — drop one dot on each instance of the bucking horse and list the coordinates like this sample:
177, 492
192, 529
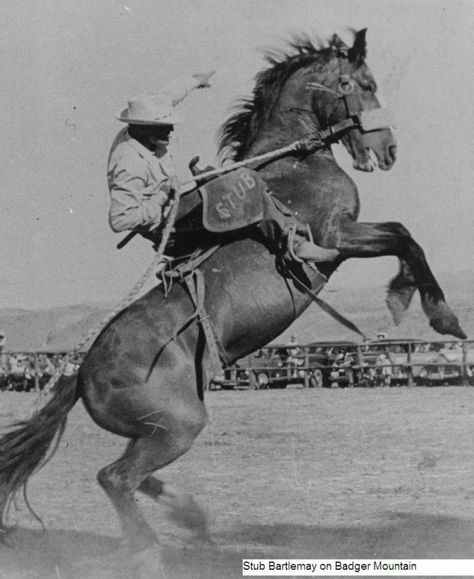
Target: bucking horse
145, 376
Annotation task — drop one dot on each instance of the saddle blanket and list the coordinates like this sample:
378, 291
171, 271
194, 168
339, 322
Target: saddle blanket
233, 201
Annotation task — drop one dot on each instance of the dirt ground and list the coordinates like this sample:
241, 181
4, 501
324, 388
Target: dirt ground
294, 473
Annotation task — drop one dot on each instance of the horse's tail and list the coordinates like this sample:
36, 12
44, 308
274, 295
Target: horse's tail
24, 448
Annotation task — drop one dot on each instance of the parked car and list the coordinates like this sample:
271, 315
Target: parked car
446, 365
277, 366
266, 368
345, 364
234, 376
439, 373
397, 356
332, 363
431, 363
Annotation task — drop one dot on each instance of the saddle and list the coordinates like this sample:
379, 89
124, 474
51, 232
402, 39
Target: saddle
218, 212
233, 201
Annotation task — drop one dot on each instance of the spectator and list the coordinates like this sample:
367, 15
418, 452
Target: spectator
349, 363
384, 369
293, 352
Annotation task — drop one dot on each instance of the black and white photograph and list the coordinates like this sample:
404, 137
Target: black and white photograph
237, 303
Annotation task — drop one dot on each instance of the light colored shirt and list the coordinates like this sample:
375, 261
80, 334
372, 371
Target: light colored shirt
139, 182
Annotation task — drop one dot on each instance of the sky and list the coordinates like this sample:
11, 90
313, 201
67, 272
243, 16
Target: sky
68, 67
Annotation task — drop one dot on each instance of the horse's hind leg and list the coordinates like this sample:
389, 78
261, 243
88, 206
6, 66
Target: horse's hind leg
121, 479
184, 509
355, 239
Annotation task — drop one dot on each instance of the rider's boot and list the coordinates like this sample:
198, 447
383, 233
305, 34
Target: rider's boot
282, 228
305, 250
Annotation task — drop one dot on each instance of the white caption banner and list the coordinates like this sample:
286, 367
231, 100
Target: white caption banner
358, 567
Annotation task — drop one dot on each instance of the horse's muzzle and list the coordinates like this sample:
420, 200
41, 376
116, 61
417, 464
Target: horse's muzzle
390, 158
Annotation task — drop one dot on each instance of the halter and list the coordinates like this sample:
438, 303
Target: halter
376, 119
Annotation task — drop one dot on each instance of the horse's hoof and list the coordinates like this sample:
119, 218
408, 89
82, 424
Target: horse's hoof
6, 534
147, 564
442, 318
448, 326
452, 329
187, 513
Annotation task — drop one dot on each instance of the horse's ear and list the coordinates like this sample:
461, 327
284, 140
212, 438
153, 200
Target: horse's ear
338, 44
358, 51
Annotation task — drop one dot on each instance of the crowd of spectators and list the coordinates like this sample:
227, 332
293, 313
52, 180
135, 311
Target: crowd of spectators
24, 372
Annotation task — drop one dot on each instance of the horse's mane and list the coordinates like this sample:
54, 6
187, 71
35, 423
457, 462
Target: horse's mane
239, 131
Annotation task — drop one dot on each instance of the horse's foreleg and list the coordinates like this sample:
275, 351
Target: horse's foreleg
379, 239
400, 291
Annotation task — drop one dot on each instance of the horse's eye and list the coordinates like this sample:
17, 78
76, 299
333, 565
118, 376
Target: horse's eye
367, 85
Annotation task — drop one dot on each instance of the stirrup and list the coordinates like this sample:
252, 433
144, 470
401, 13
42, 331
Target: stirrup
291, 250
291, 241
290, 244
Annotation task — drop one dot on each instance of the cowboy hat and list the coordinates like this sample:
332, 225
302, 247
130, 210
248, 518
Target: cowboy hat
149, 110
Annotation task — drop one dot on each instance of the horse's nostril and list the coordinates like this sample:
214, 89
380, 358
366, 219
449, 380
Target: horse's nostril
392, 153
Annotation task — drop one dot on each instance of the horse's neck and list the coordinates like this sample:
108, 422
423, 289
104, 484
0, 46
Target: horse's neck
312, 185
282, 129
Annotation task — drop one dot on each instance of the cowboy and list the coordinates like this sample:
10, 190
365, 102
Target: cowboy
140, 171
141, 175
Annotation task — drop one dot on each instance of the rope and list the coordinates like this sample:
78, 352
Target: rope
156, 265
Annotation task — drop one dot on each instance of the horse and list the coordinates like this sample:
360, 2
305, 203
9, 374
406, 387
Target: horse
145, 375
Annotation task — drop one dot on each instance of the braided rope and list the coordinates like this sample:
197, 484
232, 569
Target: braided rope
156, 265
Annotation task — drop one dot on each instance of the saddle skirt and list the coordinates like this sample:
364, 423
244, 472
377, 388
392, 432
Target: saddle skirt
232, 201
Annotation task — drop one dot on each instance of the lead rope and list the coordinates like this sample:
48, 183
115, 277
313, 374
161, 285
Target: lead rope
156, 265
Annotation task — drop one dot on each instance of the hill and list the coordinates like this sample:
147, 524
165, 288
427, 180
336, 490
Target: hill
61, 328
52, 329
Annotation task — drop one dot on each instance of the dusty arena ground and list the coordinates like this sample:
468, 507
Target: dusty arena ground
359, 473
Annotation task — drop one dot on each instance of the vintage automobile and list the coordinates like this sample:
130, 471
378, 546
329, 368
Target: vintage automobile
346, 364
429, 363
439, 373
277, 366
396, 352
332, 362
446, 365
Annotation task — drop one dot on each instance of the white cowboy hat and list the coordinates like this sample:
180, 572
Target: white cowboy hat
149, 110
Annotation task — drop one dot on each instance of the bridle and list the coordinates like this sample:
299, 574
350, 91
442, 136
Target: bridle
345, 88
376, 119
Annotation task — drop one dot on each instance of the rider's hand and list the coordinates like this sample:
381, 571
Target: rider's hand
203, 78
174, 183
309, 145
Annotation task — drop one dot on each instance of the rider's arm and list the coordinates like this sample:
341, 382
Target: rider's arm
133, 203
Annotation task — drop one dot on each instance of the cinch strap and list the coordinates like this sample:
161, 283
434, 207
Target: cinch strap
196, 287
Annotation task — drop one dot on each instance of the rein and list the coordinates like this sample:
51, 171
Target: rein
315, 141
